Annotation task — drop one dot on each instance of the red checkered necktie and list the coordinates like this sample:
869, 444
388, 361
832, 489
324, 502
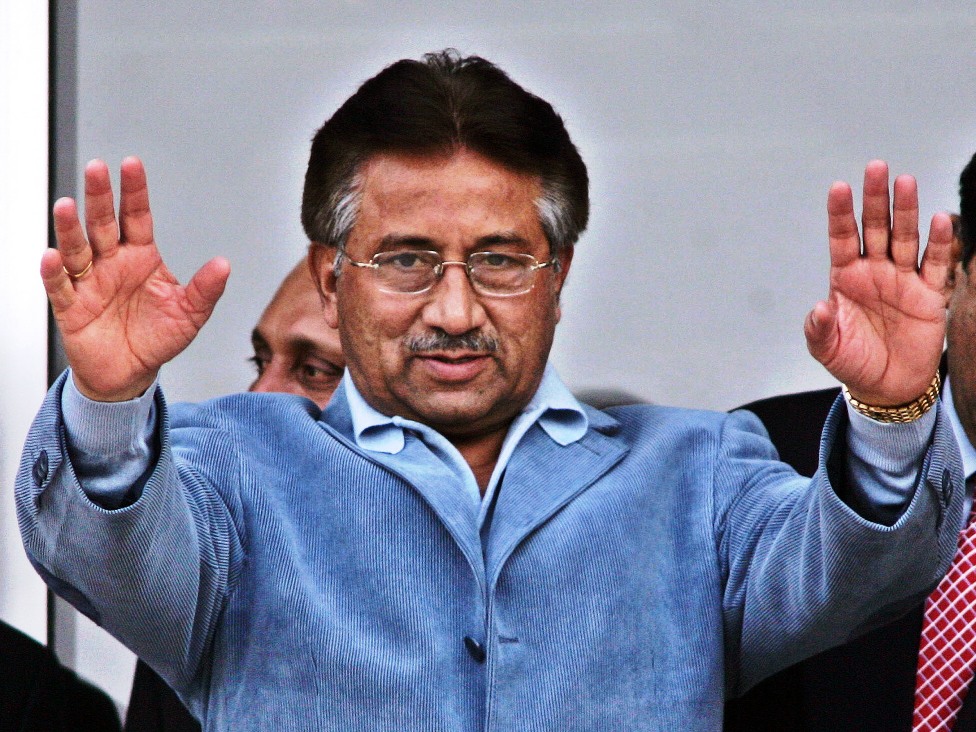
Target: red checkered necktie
947, 651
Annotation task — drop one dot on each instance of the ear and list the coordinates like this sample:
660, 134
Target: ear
954, 275
565, 261
320, 259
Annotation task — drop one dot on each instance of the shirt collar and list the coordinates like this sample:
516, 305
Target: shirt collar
965, 446
553, 406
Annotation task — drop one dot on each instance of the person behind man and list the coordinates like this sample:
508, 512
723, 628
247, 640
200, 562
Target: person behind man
873, 682
455, 542
295, 352
38, 694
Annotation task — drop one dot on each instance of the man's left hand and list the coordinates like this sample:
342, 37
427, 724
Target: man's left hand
882, 327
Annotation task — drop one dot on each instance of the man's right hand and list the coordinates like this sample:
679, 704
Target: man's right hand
121, 313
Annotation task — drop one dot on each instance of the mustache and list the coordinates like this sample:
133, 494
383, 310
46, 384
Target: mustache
476, 342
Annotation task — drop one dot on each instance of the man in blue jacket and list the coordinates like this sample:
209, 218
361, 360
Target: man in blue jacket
455, 542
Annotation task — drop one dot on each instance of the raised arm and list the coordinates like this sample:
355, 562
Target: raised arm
881, 329
121, 313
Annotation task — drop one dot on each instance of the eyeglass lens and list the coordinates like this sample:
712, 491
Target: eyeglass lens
492, 273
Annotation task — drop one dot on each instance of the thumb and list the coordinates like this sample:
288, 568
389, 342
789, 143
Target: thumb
820, 329
206, 287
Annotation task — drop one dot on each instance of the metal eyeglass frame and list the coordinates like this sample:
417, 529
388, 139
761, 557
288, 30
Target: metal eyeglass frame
438, 270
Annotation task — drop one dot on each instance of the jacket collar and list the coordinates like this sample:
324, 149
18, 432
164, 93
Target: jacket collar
542, 477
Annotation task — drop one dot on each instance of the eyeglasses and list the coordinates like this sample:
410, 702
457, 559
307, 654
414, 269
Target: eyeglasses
490, 273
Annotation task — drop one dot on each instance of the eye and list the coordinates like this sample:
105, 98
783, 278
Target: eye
316, 375
494, 259
260, 363
406, 261
497, 260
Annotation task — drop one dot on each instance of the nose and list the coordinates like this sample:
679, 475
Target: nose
454, 306
273, 379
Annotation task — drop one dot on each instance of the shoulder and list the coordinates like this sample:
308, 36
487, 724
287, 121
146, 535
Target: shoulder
246, 434
244, 407
653, 418
246, 412
677, 431
795, 424
644, 417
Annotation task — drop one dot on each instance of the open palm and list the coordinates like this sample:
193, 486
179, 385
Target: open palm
881, 329
125, 315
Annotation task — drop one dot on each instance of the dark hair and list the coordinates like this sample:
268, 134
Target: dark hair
437, 106
967, 211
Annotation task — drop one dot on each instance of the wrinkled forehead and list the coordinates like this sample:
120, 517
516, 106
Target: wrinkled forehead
464, 193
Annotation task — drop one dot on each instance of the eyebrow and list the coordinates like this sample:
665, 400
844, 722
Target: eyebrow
394, 241
306, 347
258, 340
502, 237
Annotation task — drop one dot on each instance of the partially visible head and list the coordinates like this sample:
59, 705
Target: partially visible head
961, 326
967, 212
434, 108
295, 350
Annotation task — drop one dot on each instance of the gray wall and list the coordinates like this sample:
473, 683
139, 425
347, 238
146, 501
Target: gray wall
712, 134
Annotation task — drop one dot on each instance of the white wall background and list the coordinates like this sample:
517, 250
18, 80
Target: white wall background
23, 328
712, 133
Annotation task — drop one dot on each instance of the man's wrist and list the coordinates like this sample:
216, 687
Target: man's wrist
900, 413
97, 428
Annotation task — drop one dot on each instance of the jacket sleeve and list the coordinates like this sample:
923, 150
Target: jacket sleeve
184, 565
806, 567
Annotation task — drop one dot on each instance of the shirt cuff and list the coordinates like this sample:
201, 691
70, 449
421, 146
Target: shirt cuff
885, 458
110, 443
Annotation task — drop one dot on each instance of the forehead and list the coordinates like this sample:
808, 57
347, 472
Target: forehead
296, 294
446, 198
296, 310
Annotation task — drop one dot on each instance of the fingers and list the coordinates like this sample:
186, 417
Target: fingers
938, 260
100, 223
58, 286
890, 228
72, 244
135, 218
845, 244
104, 232
904, 228
875, 217
206, 287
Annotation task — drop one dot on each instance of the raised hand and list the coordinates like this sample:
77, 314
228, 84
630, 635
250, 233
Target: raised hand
121, 313
881, 329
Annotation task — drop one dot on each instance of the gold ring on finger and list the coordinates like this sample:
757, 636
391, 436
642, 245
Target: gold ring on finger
78, 275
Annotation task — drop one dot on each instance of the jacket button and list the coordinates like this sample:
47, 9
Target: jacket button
947, 485
40, 469
476, 650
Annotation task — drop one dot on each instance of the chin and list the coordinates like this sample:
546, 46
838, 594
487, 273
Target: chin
450, 412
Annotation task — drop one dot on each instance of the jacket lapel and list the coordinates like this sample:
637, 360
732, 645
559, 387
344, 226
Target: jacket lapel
440, 488
542, 477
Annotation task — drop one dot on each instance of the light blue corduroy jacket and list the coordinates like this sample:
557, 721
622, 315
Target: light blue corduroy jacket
280, 578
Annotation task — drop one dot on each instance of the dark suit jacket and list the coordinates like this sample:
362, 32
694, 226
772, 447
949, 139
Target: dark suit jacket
37, 694
867, 685
154, 707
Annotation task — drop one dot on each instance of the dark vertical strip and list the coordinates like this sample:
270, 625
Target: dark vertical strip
62, 174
